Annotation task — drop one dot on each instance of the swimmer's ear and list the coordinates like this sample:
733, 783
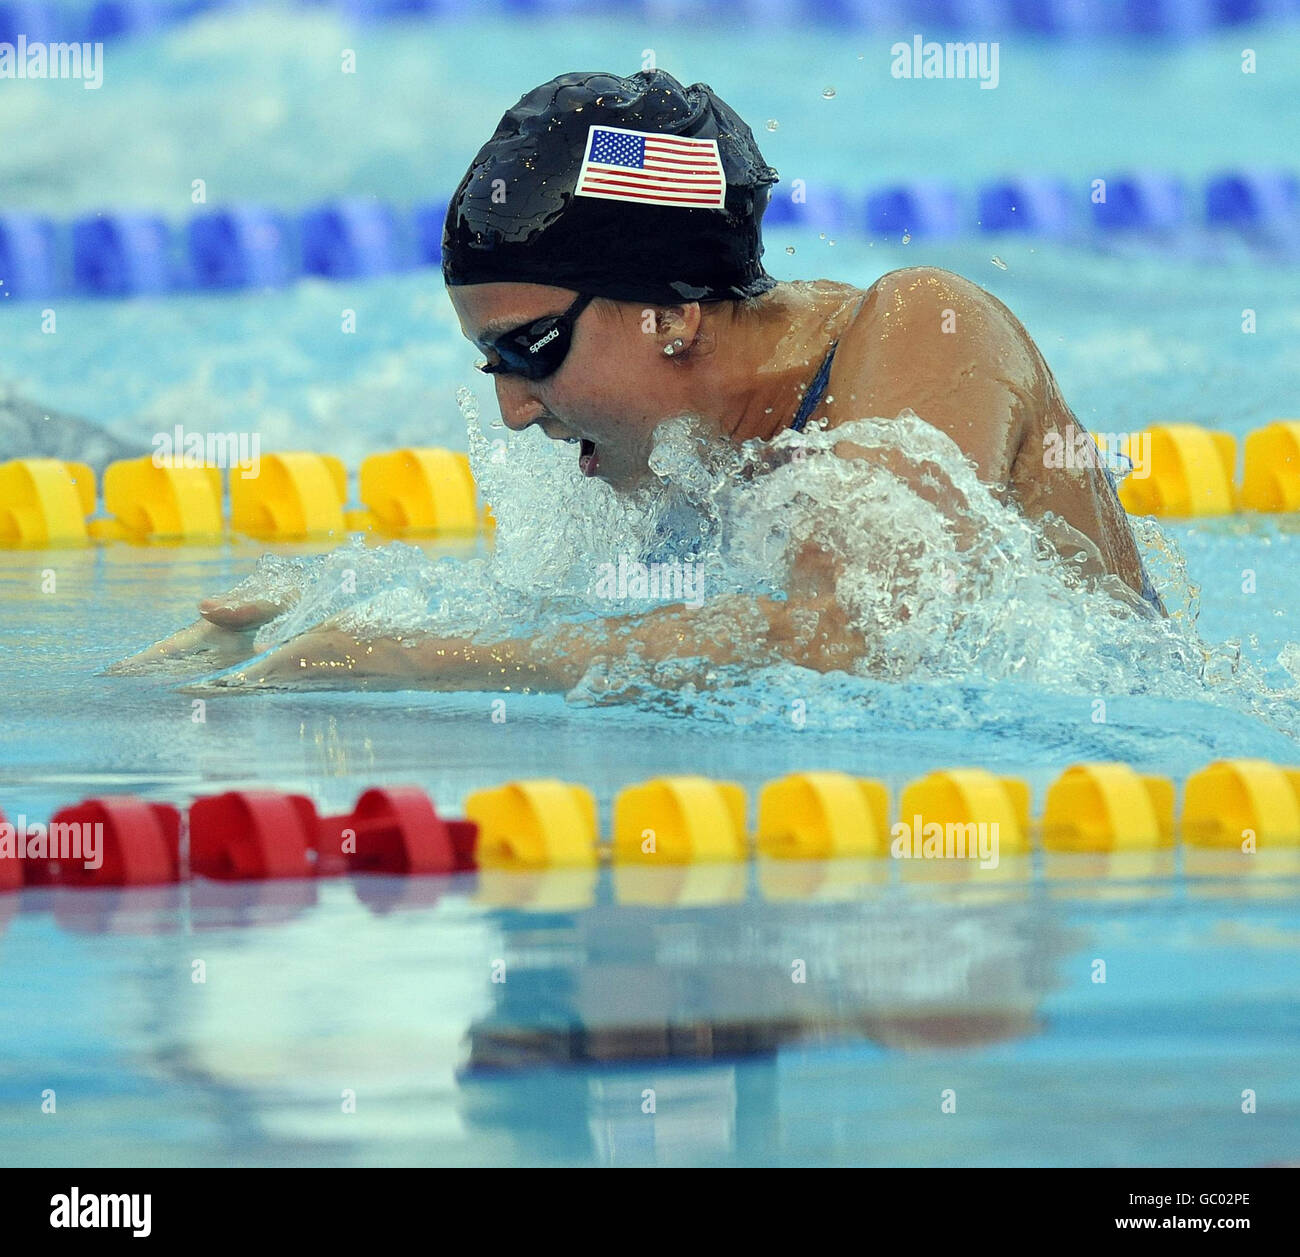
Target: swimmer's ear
675, 330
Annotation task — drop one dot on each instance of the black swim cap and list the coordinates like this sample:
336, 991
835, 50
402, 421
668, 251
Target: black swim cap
666, 231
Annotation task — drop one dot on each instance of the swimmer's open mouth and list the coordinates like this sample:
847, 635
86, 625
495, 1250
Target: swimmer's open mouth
588, 459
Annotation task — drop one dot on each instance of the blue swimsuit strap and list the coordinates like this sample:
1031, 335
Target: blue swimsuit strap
817, 388
815, 391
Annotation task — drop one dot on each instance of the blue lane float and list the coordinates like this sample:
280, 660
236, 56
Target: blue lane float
38, 23
925, 210
1141, 202
1043, 206
820, 208
1175, 19
28, 260
428, 233
114, 19
350, 240
381, 10
121, 255
1249, 200
245, 246
1046, 19
1061, 19
233, 247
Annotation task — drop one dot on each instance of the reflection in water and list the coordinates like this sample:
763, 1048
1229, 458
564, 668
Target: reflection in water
642, 980
694, 1117
743, 1014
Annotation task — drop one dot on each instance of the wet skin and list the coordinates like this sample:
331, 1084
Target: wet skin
744, 371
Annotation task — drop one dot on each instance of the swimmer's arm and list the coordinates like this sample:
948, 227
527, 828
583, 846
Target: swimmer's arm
807, 629
810, 633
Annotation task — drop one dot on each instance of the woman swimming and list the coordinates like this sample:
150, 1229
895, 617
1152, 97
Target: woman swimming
604, 254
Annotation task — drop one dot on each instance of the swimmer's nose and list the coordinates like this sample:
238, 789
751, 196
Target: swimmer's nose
519, 408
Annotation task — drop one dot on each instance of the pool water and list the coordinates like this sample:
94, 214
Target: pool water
617, 998
254, 103
683, 988
679, 983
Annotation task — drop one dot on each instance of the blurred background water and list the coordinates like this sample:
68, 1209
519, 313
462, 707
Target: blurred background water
254, 102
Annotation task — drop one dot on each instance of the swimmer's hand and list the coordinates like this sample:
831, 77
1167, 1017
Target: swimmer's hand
222, 635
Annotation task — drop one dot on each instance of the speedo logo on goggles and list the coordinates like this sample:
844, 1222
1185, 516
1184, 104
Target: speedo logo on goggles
536, 349
550, 336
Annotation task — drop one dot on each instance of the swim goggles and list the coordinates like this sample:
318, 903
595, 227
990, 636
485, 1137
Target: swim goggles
537, 349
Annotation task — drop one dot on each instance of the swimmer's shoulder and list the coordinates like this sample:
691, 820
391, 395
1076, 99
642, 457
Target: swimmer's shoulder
932, 341
920, 305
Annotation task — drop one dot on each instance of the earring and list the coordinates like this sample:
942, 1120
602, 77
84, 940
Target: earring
674, 347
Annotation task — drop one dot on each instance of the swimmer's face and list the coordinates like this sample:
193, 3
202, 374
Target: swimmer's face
613, 387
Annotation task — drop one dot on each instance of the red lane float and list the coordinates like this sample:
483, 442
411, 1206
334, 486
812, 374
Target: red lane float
395, 830
118, 841
11, 867
259, 834
252, 835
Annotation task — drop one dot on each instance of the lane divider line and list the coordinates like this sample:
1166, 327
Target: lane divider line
970, 818
137, 252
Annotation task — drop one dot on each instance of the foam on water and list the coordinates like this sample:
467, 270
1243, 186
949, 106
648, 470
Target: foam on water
947, 586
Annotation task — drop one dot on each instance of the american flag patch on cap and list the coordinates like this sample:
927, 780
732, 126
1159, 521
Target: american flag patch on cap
652, 169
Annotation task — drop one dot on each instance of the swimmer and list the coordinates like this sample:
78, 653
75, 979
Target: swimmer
604, 254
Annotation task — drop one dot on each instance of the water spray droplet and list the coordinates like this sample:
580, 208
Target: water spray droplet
998, 262
789, 248
907, 237
772, 124
828, 93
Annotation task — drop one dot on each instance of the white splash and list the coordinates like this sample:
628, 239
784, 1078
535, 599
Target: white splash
945, 583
